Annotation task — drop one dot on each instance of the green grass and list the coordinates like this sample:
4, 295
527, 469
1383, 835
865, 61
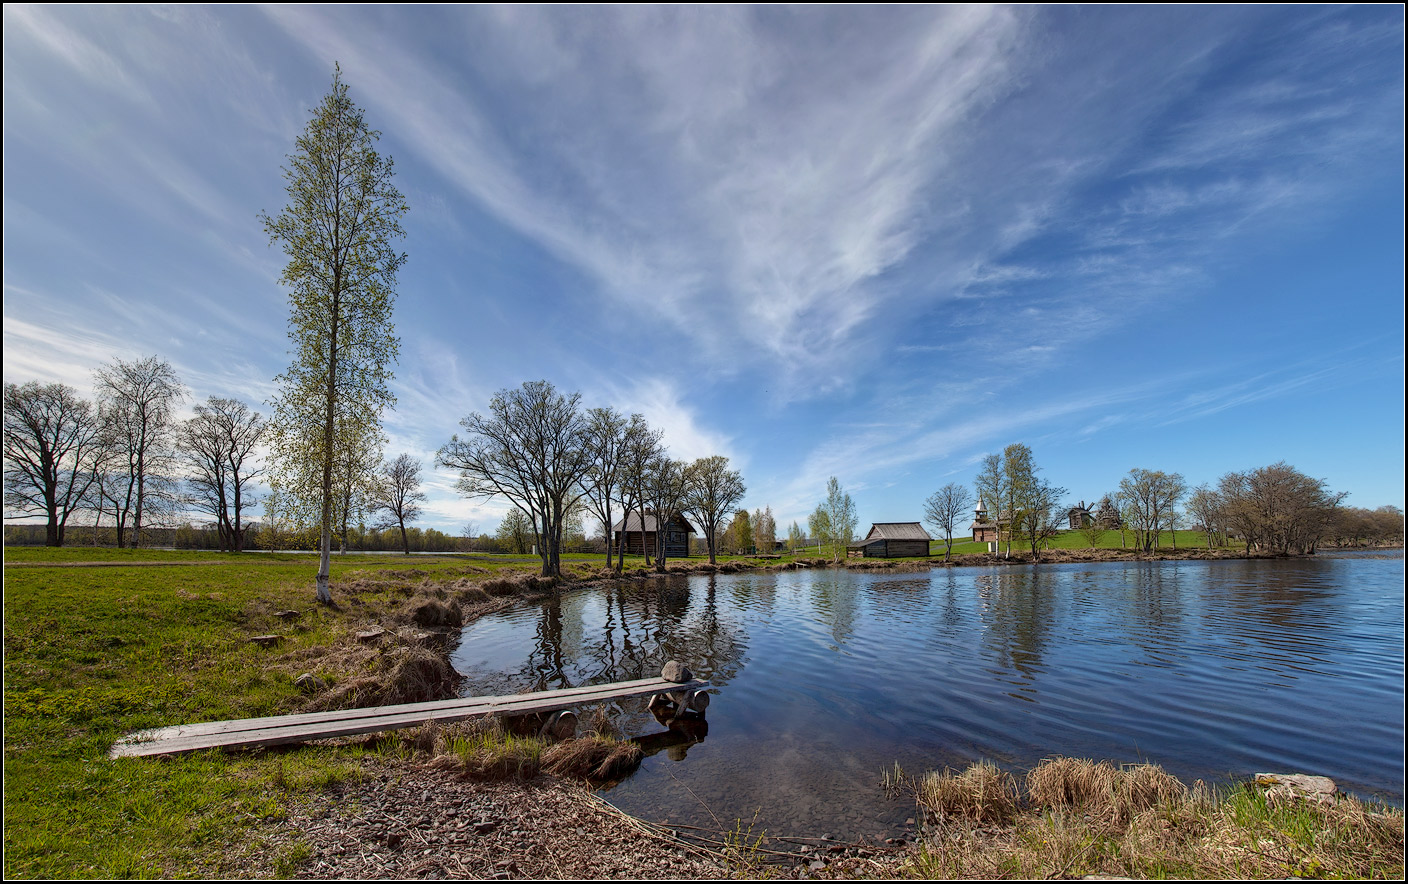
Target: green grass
1077, 540
93, 653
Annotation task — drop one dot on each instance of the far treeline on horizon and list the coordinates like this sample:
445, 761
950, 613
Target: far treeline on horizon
817, 390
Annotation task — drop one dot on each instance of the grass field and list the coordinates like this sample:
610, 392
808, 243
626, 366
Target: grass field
92, 653
1077, 540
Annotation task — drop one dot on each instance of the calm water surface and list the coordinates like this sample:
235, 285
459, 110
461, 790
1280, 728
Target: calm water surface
825, 679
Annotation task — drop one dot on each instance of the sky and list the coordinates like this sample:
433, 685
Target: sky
870, 242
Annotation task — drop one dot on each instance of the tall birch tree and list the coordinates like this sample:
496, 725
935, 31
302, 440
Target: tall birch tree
337, 230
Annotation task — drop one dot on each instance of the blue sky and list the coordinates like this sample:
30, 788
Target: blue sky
870, 243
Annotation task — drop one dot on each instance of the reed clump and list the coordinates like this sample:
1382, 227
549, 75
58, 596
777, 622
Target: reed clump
982, 793
486, 751
1079, 817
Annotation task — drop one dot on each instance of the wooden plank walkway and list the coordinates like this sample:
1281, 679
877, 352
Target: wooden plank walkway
273, 730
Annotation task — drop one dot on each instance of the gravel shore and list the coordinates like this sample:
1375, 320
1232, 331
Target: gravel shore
407, 820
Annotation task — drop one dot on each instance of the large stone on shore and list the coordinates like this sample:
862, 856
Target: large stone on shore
676, 672
1311, 788
309, 683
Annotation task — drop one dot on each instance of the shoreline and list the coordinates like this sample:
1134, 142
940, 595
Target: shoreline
385, 807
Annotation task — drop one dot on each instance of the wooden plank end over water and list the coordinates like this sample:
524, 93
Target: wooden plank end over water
280, 729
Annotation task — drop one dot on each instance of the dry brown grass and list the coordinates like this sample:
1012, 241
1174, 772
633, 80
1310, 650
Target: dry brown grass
593, 758
981, 793
1081, 817
381, 676
434, 609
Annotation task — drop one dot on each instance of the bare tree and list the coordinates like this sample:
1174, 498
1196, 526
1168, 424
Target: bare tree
944, 509
714, 490
137, 401
1150, 498
665, 489
1279, 508
398, 494
217, 445
470, 532
642, 447
531, 450
608, 435
52, 447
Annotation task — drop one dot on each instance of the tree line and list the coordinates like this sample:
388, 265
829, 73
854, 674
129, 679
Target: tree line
552, 459
1275, 508
126, 465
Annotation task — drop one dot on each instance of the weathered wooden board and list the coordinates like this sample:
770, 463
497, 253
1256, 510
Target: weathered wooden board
274, 730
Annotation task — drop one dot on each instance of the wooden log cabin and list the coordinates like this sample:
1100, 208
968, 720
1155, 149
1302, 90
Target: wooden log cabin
889, 540
628, 532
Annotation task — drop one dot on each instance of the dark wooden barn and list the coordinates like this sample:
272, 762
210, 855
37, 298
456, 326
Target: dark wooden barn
628, 532
888, 540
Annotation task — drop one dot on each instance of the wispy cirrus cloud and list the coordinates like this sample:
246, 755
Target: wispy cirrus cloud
692, 157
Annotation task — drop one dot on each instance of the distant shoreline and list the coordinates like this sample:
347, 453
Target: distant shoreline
961, 560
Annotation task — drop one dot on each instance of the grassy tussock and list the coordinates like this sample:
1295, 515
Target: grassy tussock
482, 749
434, 608
1080, 817
399, 673
981, 793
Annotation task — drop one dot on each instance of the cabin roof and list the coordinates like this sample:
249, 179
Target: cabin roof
897, 531
632, 523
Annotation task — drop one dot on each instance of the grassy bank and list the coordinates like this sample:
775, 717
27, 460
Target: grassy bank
93, 653
1072, 818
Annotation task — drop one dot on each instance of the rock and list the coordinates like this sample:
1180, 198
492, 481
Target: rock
371, 635
288, 615
484, 827
1311, 788
815, 865
266, 641
309, 683
676, 672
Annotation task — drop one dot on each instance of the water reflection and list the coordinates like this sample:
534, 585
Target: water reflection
1018, 614
823, 679
626, 631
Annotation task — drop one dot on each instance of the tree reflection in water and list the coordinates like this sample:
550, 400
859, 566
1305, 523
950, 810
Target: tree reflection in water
628, 630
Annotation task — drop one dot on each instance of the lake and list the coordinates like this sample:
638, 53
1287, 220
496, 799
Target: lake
825, 679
